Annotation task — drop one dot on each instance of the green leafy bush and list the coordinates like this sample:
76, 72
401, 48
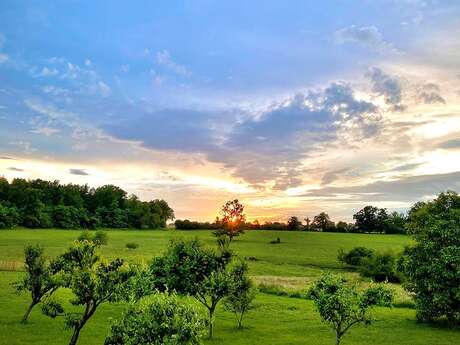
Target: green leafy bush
355, 256
164, 319
132, 245
381, 267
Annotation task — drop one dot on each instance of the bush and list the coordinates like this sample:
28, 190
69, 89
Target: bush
163, 320
132, 245
85, 236
381, 267
100, 238
355, 256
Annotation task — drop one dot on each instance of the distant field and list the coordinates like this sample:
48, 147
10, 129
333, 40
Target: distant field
299, 258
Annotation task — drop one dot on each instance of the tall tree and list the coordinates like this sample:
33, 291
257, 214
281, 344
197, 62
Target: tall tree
371, 219
432, 264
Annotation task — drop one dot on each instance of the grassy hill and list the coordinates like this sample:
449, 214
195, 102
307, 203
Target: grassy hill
290, 265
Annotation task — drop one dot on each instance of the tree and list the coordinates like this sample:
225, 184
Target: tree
39, 280
92, 281
322, 222
432, 265
242, 293
371, 219
342, 306
164, 319
396, 223
9, 216
190, 269
294, 223
232, 219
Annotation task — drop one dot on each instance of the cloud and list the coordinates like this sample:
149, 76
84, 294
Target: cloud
46, 131
269, 147
6, 158
405, 189
368, 36
15, 169
3, 58
79, 172
450, 144
125, 68
387, 86
429, 93
163, 58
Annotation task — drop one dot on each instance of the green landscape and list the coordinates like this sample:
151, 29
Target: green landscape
290, 266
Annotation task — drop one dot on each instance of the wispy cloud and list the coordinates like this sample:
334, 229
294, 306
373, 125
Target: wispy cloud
163, 58
79, 172
368, 36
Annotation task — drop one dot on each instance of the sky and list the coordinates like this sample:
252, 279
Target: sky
292, 107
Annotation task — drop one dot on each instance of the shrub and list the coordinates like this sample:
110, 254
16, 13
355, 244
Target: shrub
9, 217
381, 267
85, 236
355, 256
277, 241
100, 238
164, 319
132, 245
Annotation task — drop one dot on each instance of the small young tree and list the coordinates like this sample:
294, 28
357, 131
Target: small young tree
164, 319
213, 289
190, 269
92, 281
342, 306
241, 297
232, 219
39, 280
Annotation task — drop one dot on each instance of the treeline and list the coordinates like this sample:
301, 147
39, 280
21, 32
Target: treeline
46, 204
370, 219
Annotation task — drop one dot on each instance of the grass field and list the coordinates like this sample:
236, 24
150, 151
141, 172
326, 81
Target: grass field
300, 258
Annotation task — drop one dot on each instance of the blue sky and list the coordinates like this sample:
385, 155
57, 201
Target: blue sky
294, 107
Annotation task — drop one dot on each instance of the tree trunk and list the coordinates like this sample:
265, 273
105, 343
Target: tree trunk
28, 311
211, 325
75, 335
337, 339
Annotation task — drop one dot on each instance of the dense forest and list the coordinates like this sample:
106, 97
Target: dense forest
46, 204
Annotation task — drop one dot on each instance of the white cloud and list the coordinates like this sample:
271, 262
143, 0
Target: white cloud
368, 36
46, 131
163, 58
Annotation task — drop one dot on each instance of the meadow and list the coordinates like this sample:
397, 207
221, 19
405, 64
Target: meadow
289, 266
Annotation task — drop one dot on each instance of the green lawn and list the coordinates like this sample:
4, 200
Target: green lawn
277, 320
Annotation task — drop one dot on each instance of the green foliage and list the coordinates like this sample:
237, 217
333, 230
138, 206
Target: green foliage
432, 265
242, 293
371, 219
101, 238
190, 269
132, 245
38, 280
164, 319
9, 216
355, 256
45, 204
342, 306
381, 267
322, 222
396, 223
92, 281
